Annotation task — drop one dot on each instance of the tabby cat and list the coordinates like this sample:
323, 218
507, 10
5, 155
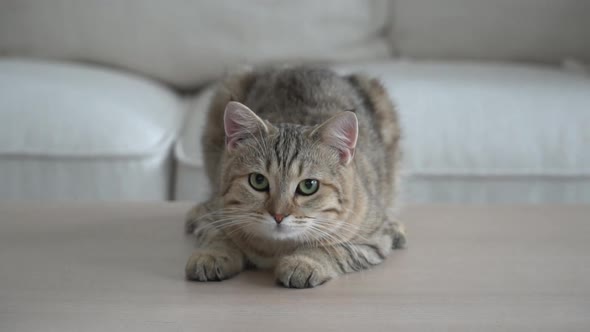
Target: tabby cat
303, 163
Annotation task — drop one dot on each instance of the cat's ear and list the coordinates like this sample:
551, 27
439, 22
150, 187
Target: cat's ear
240, 123
341, 133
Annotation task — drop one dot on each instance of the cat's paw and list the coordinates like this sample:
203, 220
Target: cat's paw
397, 232
399, 237
301, 272
212, 265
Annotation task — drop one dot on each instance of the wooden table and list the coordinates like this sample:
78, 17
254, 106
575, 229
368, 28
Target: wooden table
120, 267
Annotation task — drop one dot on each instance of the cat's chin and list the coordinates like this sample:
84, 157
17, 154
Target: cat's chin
278, 232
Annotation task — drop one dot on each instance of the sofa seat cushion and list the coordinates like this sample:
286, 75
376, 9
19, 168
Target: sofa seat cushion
71, 131
467, 123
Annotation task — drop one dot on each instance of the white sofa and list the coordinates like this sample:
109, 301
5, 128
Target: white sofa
494, 97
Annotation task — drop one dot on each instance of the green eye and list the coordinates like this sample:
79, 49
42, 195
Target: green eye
308, 187
258, 181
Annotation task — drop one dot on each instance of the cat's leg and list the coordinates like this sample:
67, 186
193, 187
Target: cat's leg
313, 266
217, 258
201, 213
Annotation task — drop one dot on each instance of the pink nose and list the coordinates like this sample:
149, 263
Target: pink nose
279, 218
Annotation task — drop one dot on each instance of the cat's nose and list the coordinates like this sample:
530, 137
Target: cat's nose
279, 217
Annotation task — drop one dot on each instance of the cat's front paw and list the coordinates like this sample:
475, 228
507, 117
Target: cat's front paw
212, 265
397, 232
399, 238
301, 272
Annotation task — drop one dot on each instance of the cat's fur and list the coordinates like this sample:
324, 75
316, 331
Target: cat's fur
301, 131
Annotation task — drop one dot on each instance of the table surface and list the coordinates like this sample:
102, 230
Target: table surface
120, 267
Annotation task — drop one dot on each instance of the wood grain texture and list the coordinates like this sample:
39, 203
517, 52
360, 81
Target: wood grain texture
120, 267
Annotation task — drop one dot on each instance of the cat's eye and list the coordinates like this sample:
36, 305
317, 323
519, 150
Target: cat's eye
308, 187
258, 181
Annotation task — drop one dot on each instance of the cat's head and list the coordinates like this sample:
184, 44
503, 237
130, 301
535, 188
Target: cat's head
286, 182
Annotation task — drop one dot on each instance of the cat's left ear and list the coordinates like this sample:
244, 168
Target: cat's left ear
241, 123
341, 133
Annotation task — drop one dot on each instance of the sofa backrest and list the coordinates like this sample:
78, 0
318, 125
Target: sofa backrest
186, 43
537, 30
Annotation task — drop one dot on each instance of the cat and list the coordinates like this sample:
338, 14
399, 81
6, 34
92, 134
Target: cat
303, 164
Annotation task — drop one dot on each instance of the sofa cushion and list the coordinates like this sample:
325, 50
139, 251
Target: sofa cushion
543, 30
186, 43
69, 110
462, 118
476, 123
80, 132
191, 179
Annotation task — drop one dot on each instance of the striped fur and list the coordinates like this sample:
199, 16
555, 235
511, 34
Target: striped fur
346, 226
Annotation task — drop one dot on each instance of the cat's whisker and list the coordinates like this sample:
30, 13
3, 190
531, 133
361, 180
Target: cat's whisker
207, 215
333, 238
337, 224
326, 235
221, 223
351, 247
346, 243
352, 231
239, 228
337, 235
221, 211
225, 219
230, 221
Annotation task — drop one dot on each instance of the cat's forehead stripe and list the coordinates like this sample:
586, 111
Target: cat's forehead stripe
287, 147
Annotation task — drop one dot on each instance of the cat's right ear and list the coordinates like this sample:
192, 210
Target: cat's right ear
240, 123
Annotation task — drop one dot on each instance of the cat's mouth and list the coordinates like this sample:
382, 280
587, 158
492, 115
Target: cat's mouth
279, 231
285, 229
